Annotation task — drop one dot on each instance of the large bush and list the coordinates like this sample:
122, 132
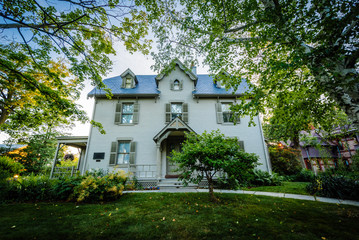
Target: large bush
285, 160
9, 167
89, 188
328, 185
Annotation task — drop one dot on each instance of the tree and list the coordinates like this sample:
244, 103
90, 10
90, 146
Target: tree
208, 154
34, 33
270, 43
284, 160
22, 98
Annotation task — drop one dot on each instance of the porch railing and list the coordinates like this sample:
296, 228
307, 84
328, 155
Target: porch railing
63, 171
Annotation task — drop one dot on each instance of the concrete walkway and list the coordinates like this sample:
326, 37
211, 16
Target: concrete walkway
271, 194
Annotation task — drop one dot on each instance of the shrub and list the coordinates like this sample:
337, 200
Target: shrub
261, 178
304, 175
78, 188
99, 188
327, 185
9, 167
285, 160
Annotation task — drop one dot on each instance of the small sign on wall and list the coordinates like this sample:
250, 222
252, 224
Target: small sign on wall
98, 156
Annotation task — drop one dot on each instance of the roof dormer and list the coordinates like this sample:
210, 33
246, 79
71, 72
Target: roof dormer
129, 79
219, 79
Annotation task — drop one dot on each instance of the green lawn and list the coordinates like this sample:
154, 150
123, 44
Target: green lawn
181, 216
287, 187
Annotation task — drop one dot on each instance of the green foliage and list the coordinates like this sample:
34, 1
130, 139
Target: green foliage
334, 186
39, 152
204, 155
87, 188
285, 160
92, 188
9, 167
304, 175
298, 56
355, 162
80, 34
261, 178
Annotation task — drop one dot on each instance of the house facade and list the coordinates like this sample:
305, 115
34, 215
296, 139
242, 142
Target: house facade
148, 116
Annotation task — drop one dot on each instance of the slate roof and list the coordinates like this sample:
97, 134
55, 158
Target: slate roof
206, 86
147, 86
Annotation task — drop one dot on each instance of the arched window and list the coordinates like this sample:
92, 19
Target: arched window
176, 85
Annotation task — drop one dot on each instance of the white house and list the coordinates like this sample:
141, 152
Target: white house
147, 118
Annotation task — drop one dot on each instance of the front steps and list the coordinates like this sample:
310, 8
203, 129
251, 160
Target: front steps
170, 183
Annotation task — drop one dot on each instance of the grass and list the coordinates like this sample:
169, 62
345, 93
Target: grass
287, 187
181, 216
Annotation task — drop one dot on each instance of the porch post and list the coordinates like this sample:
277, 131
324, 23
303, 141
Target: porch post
55, 160
159, 163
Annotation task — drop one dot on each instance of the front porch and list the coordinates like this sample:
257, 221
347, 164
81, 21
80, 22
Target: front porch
79, 142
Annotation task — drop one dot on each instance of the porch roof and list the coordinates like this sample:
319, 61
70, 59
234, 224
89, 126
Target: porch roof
73, 141
175, 125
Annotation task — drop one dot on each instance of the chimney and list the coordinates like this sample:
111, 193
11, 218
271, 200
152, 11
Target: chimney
194, 68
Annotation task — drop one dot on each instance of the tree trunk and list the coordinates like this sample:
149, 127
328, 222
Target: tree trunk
212, 197
296, 145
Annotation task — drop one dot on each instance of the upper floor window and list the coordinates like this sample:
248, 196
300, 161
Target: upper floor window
127, 113
225, 114
176, 109
176, 85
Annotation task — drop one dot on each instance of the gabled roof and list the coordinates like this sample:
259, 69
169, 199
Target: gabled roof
147, 87
175, 125
177, 62
128, 71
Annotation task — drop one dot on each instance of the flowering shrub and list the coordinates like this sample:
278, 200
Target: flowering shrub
285, 160
79, 188
99, 188
9, 167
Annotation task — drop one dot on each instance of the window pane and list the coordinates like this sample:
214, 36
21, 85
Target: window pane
226, 107
123, 158
176, 108
227, 117
176, 85
127, 118
127, 108
174, 115
124, 147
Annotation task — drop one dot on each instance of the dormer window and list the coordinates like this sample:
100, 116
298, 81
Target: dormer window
176, 85
129, 79
128, 82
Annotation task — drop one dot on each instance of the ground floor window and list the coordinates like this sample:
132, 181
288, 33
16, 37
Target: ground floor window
123, 155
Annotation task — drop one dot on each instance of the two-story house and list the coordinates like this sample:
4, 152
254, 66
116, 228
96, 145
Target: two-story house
148, 116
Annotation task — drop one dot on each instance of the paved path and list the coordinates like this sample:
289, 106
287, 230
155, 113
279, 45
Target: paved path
271, 194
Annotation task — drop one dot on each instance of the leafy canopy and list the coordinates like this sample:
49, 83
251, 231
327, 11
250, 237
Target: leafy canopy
280, 47
35, 33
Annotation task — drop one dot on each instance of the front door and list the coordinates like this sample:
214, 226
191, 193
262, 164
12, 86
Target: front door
173, 144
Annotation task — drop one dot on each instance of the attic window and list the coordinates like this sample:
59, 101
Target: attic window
128, 82
176, 85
